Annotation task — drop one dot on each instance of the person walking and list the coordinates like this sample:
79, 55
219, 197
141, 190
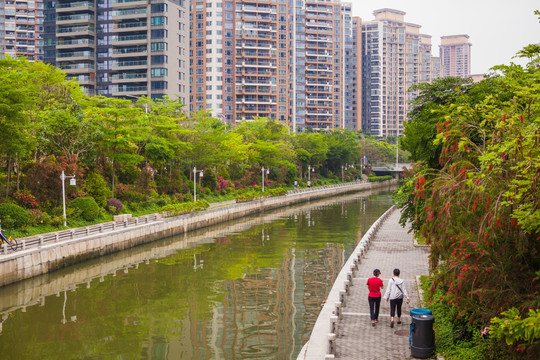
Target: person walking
395, 292
374, 285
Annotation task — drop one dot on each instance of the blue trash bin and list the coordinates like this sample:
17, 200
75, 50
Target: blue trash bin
417, 311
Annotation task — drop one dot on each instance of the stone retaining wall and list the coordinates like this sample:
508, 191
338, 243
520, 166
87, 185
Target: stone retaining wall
28, 263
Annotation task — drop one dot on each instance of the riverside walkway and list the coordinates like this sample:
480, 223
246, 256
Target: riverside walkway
343, 329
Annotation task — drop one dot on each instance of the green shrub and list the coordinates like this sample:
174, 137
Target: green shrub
38, 217
14, 216
88, 207
380, 178
183, 208
275, 192
97, 187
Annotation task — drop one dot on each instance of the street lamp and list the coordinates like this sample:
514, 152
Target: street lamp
263, 172
195, 182
309, 171
72, 182
343, 168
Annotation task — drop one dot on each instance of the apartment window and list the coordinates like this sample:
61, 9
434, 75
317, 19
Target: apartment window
158, 20
158, 72
159, 46
158, 59
159, 85
158, 34
155, 8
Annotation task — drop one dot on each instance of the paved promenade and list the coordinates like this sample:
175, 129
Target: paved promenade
390, 247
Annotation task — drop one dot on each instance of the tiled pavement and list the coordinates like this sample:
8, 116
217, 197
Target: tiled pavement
391, 248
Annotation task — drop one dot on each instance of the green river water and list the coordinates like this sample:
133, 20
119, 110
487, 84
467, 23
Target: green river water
247, 289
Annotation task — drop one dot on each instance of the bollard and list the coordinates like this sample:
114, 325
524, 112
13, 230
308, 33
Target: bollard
72, 232
342, 295
56, 237
100, 228
347, 284
349, 277
353, 269
87, 231
331, 346
338, 310
359, 255
333, 325
41, 241
356, 263
136, 221
125, 223
24, 244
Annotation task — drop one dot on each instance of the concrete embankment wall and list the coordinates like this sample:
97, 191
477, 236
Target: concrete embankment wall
28, 263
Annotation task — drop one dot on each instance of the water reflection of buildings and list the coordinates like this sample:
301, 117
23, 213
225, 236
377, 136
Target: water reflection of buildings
269, 312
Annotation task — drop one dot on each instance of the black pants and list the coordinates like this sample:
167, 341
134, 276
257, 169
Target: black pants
374, 305
393, 304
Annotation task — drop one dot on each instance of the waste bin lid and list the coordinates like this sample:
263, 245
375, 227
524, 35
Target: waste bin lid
420, 311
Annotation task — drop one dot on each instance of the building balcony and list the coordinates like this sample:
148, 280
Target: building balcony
121, 4
77, 68
74, 43
84, 79
129, 65
74, 6
129, 78
127, 27
122, 53
75, 56
130, 39
75, 31
260, 64
129, 14
126, 90
75, 19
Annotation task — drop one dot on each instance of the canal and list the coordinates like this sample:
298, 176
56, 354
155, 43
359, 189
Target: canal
246, 289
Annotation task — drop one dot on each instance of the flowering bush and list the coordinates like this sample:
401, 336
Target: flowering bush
222, 184
26, 199
114, 206
38, 217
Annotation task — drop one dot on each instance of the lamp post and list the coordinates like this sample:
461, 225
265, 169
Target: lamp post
72, 182
343, 168
309, 171
263, 170
195, 182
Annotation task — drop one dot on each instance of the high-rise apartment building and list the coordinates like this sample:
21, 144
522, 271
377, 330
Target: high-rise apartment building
275, 59
455, 54
393, 58
424, 54
21, 29
121, 48
435, 67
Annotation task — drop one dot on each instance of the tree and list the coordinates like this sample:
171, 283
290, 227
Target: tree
123, 130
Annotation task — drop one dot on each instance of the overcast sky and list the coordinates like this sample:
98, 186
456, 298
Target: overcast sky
497, 29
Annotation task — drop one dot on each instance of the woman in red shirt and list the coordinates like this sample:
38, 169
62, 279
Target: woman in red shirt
374, 285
